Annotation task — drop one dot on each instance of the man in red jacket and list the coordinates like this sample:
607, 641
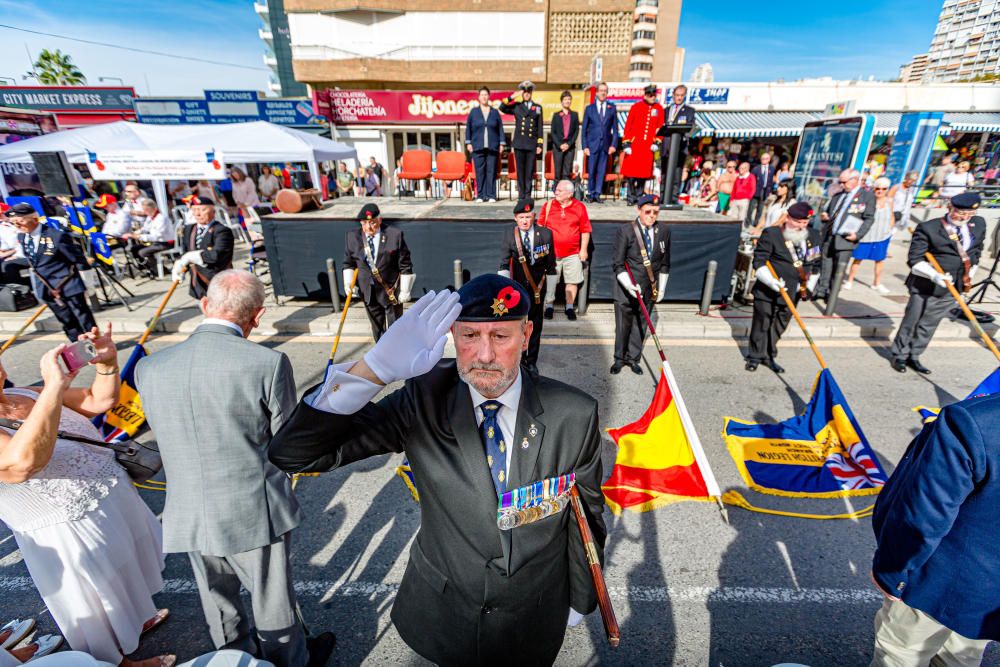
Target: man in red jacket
743, 191
639, 142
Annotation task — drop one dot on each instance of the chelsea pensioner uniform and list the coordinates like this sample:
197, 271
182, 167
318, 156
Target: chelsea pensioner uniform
639, 140
526, 142
215, 241
471, 593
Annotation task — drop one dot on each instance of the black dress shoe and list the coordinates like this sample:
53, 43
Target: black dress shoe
773, 365
548, 313
320, 647
571, 314
918, 367
616, 367
899, 365
752, 365
636, 368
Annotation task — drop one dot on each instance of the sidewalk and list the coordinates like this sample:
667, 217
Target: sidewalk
861, 313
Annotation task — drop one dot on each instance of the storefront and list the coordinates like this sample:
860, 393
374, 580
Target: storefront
18, 125
73, 106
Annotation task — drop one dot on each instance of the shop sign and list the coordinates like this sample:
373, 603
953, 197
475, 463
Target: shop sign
225, 106
142, 165
708, 96
67, 98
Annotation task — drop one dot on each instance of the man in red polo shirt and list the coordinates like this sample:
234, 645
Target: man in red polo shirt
567, 218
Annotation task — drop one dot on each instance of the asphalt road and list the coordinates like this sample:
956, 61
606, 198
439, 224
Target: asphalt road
688, 589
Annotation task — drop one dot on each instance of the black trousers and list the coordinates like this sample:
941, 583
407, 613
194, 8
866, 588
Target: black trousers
381, 317
524, 161
535, 342
630, 329
562, 166
144, 253
754, 211
832, 258
923, 314
770, 319
485, 163
74, 315
11, 272
635, 189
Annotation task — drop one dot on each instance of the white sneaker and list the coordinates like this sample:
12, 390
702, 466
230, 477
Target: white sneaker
847, 285
490, 200
881, 289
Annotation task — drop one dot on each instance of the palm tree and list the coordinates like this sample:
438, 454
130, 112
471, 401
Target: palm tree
55, 68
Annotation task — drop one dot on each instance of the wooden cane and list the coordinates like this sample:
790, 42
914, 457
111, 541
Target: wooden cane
795, 314
590, 549
159, 311
343, 315
10, 341
965, 308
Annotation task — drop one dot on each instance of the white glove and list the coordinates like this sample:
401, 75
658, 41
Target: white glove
972, 272
925, 270
943, 279
180, 266
415, 342
812, 282
347, 275
627, 283
661, 286
765, 276
406, 282
628, 150
504, 272
551, 283
574, 618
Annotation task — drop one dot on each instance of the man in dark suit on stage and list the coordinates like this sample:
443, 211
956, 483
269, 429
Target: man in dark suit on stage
764, 174
528, 139
676, 113
635, 242
563, 130
207, 246
851, 208
56, 261
956, 242
484, 139
600, 140
385, 272
527, 255
473, 428
792, 248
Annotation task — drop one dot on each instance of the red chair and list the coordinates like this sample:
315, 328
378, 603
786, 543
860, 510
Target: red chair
550, 172
416, 166
609, 176
450, 167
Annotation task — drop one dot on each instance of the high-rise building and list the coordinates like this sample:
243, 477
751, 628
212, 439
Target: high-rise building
965, 46
703, 73
914, 71
278, 56
458, 44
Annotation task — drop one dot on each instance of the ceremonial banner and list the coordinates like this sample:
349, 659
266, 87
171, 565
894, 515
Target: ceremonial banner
123, 421
658, 457
821, 453
991, 385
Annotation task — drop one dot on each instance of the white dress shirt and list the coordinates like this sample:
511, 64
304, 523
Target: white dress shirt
225, 323
116, 224
377, 238
506, 415
8, 240
158, 229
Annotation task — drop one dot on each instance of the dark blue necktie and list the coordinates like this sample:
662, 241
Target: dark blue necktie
200, 234
496, 448
527, 248
649, 241
29, 247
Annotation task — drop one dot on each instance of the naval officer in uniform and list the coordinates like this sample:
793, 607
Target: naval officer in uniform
528, 140
473, 428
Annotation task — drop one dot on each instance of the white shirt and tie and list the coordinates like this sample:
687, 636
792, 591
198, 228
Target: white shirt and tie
528, 241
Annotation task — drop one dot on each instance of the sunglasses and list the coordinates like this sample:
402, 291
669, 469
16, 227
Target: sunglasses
880, 189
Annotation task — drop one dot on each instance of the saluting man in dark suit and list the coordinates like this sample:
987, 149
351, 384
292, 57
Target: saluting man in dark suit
385, 272
643, 245
852, 206
207, 244
473, 428
485, 141
56, 262
563, 130
792, 248
527, 256
956, 241
527, 141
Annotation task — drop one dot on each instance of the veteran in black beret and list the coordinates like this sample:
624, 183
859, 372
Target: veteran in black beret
956, 242
528, 137
473, 428
527, 256
385, 270
792, 247
56, 260
207, 244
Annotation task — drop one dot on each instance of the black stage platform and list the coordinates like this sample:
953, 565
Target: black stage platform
439, 232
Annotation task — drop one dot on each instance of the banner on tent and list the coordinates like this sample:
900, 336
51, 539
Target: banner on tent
135, 165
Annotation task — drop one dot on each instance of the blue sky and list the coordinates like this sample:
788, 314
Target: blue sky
744, 41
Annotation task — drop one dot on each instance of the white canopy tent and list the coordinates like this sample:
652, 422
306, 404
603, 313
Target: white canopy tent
236, 142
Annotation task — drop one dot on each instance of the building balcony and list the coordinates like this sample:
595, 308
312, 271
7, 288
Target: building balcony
347, 50
271, 61
646, 10
274, 87
261, 9
266, 35
644, 43
641, 58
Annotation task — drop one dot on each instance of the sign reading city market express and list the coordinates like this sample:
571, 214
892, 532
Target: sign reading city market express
141, 165
419, 107
67, 98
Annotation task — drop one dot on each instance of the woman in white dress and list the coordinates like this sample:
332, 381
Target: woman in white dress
958, 181
91, 545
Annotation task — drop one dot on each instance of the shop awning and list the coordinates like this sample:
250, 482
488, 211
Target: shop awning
753, 123
973, 121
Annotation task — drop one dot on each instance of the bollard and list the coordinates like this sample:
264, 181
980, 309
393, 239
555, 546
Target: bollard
706, 292
458, 277
331, 276
838, 279
581, 297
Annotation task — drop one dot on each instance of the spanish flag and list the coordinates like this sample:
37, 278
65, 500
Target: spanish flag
123, 421
660, 459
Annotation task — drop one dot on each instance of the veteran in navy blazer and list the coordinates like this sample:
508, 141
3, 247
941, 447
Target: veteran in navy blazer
599, 139
937, 560
56, 260
485, 140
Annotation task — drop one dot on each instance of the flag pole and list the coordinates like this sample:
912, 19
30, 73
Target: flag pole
159, 311
600, 586
35, 316
714, 492
343, 314
965, 308
802, 325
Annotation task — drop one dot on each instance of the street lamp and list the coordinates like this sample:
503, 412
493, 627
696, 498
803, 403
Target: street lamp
120, 81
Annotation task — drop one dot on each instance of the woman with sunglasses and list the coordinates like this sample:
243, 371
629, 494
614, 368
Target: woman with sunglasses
874, 244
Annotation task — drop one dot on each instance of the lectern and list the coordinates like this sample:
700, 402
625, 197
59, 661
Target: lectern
674, 137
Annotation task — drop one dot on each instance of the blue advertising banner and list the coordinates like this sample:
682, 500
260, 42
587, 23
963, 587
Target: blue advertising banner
214, 110
912, 145
231, 95
708, 96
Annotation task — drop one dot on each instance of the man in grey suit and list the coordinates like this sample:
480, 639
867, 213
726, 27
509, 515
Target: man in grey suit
213, 402
853, 206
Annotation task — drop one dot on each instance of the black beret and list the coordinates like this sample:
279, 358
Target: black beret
195, 200
368, 212
23, 208
800, 210
492, 298
966, 201
649, 90
647, 199
524, 206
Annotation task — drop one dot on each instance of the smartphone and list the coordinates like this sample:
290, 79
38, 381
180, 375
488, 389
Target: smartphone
78, 355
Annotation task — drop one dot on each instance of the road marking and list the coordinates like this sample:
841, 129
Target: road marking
630, 594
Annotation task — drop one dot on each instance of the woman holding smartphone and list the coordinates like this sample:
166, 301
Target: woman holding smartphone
91, 545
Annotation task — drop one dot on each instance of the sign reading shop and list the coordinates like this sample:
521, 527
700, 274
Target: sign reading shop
67, 98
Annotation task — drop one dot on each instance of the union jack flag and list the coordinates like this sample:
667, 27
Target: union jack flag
856, 470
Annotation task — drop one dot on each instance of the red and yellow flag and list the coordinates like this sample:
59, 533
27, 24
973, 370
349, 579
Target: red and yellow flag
658, 456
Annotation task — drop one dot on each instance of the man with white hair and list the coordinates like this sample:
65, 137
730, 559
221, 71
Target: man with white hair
846, 220
213, 402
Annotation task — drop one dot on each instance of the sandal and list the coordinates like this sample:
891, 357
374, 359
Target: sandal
46, 644
158, 618
18, 631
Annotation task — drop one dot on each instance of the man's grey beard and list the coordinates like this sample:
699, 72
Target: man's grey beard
493, 389
795, 236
